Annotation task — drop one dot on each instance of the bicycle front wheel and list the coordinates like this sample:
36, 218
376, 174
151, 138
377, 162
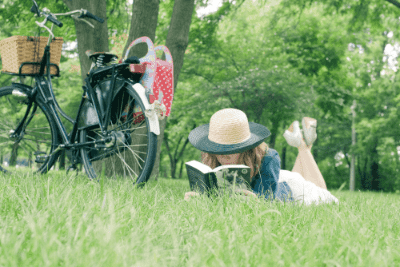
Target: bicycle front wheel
132, 151
27, 134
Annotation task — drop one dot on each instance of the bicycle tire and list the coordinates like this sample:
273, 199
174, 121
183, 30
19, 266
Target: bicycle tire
40, 133
118, 165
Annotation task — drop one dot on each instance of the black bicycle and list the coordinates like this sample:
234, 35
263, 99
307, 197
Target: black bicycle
107, 131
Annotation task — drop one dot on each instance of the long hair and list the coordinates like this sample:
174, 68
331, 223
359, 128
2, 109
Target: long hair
251, 158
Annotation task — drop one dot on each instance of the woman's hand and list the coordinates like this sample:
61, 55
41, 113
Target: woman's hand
188, 195
246, 192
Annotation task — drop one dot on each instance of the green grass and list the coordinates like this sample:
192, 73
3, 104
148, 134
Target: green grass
66, 220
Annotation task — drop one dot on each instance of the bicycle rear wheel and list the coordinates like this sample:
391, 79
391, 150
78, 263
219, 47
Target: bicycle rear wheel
27, 149
133, 150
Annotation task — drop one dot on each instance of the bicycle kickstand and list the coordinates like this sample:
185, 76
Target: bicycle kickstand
73, 168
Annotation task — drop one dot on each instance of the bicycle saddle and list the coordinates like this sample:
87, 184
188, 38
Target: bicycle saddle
106, 57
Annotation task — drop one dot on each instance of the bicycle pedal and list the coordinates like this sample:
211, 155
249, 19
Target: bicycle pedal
72, 167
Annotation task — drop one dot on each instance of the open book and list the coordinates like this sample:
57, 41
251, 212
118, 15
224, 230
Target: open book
226, 177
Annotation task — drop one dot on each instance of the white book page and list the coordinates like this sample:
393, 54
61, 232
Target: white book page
230, 166
231, 180
200, 166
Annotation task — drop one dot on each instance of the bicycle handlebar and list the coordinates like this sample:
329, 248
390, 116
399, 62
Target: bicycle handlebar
35, 8
87, 14
52, 18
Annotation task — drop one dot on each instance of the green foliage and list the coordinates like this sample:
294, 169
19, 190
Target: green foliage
163, 21
17, 14
362, 14
300, 52
278, 61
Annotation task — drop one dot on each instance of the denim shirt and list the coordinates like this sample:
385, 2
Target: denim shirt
267, 180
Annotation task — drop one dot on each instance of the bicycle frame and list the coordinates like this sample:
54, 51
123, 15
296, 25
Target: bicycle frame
44, 88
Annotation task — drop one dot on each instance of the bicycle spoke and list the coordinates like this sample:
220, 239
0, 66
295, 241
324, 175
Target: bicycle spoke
7, 143
38, 140
134, 154
30, 133
38, 133
123, 160
129, 154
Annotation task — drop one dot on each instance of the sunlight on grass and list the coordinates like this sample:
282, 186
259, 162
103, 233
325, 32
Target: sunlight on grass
58, 219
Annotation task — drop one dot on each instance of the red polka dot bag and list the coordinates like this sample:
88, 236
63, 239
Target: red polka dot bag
163, 89
158, 79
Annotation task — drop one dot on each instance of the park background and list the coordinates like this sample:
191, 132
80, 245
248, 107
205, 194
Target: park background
277, 61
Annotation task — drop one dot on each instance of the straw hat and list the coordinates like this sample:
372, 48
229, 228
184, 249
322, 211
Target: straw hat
228, 132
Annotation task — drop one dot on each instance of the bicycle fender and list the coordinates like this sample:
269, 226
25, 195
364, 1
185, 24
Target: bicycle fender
88, 117
26, 89
149, 111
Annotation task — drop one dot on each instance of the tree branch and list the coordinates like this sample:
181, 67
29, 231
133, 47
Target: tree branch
226, 93
176, 150
168, 151
229, 56
394, 2
183, 147
347, 159
336, 170
234, 63
359, 166
200, 75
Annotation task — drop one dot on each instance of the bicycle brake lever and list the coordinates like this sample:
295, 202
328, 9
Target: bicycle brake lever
78, 19
43, 26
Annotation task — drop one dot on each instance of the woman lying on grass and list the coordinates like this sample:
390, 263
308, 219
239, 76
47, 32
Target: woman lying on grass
230, 139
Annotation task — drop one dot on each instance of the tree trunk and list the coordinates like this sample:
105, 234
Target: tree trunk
177, 42
374, 168
143, 23
180, 171
171, 157
274, 132
173, 169
95, 39
14, 154
364, 176
283, 158
375, 177
360, 173
176, 155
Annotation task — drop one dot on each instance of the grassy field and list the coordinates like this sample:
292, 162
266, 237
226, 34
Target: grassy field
67, 220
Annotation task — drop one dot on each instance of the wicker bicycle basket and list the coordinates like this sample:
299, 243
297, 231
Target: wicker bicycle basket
18, 49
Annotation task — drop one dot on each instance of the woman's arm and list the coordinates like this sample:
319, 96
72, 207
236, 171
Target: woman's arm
268, 176
268, 185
